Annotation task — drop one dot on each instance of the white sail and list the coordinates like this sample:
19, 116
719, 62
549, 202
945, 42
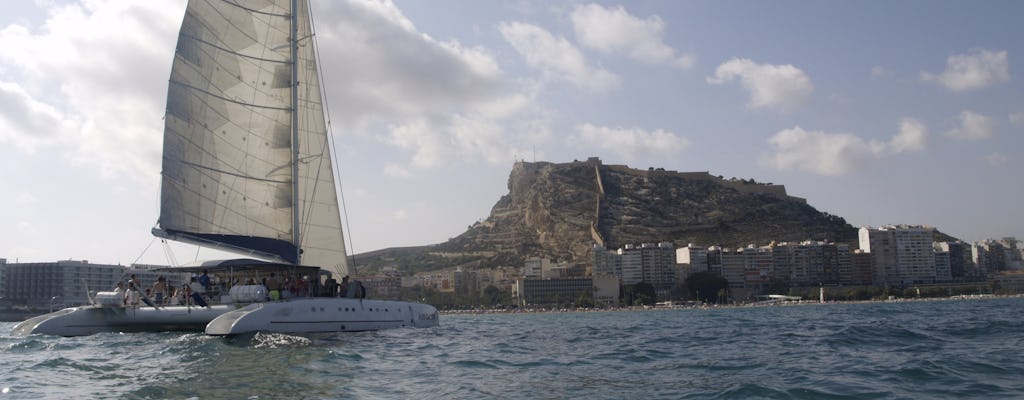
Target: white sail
228, 176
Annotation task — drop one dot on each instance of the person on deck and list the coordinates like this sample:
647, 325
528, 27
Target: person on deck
273, 287
204, 280
343, 288
197, 292
160, 290
330, 288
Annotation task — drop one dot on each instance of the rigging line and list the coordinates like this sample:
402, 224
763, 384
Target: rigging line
331, 144
144, 251
169, 253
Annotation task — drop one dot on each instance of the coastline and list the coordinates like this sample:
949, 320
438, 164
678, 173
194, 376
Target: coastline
538, 310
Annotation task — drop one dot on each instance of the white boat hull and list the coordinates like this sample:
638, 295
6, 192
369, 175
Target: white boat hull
88, 320
323, 314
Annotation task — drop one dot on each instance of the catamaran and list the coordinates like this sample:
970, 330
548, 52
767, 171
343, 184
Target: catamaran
247, 168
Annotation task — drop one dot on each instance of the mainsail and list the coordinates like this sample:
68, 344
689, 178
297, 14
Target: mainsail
246, 164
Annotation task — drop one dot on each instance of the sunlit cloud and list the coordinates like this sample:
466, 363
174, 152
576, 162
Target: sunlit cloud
912, 136
996, 159
88, 87
396, 171
27, 123
24, 198
833, 154
978, 68
973, 126
555, 57
630, 143
776, 87
879, 71
614, 30
1017, 118
418, 94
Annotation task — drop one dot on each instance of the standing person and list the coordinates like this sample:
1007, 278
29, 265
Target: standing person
343, 287
330, 287
131, 297
204, 280
197, 292
160, 290
273, 287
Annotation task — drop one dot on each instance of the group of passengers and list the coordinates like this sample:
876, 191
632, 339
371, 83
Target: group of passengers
200, 289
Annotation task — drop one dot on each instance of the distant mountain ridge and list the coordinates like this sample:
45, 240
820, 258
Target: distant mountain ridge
560, 211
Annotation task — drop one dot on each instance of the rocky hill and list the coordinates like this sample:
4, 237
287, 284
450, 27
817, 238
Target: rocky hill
560, 211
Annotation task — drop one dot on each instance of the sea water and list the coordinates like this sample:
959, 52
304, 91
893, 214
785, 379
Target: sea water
910, 350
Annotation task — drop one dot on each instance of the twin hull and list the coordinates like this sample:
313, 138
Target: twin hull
316, 315
87, 320
302, 315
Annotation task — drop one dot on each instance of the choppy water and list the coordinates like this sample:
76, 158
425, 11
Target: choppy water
938, 349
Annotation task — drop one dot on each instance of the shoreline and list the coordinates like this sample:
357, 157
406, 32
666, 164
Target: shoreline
540, 310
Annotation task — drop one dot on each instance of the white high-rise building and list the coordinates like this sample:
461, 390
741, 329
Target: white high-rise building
903, 255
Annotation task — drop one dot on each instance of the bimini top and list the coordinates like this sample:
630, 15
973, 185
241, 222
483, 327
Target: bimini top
243, 265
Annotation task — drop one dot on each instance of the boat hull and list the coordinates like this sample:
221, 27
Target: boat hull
88, 320
323, 314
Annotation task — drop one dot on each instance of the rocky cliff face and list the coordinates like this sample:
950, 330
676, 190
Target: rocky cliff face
560, 210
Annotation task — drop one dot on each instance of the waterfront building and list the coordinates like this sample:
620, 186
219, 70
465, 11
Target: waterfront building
691, 259
942, 266
534, 267
714, 255
995, 255
658, 266
861, 270
387, 285
69, 282
632, 265
812, 263
960, 262
734, 265
607, 291
605, 262
903, 255
558, 292
980, 259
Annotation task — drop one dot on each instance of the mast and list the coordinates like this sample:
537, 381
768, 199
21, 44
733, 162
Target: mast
295, 130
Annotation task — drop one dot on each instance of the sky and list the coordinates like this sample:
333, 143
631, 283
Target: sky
882, 112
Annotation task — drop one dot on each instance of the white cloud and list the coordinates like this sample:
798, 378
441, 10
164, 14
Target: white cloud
26, 227
819, 152
556, 57
1017, 118
835, 154
25, 198
28, 123
96, 91
630, 143
396, 171
777, 87
912, 136
442, 102
977, 69
996, 159
615, 30
879, 71
973, 126
105, 90
400, 215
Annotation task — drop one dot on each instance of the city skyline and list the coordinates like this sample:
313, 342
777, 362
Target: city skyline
881, 113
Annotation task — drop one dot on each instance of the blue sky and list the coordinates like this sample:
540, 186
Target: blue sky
908, 112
